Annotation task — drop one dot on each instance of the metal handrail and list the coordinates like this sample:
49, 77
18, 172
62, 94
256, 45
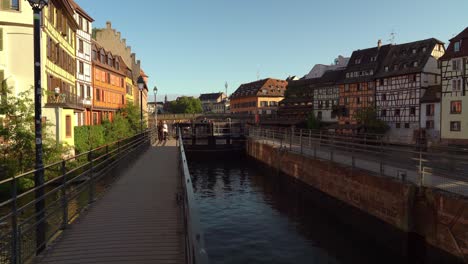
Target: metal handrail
194, 242
18, 215
435, 167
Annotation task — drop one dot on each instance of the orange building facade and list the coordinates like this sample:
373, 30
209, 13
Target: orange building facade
109, 72
261, 97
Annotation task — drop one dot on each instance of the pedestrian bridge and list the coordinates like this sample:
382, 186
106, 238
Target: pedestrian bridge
148, 216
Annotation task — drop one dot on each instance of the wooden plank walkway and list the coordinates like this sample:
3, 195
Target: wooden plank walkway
137, 221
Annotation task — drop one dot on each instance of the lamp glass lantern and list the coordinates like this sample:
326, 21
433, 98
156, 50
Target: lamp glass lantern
141, 83
38, 4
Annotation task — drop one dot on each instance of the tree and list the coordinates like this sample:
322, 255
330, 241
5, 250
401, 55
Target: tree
17, 133
313, 122
132, 113
186, 105
118, 129
368, 117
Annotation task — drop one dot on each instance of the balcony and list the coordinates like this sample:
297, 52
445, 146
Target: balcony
67, 100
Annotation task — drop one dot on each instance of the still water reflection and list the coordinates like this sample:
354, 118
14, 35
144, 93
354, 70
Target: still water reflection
250, 216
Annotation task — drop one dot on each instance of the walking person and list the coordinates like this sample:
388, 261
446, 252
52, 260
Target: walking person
165, 130
160, 131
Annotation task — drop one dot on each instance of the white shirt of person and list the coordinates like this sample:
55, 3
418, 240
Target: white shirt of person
165, 128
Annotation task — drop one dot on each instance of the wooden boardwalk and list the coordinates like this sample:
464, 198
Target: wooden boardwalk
137, 221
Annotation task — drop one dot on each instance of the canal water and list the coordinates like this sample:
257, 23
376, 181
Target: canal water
250, 215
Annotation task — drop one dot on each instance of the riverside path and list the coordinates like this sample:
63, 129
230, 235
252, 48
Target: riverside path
137, 221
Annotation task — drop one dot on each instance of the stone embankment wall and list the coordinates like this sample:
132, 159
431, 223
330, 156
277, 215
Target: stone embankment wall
441, 219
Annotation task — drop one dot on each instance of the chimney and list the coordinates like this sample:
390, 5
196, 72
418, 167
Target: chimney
108, 24
379, 43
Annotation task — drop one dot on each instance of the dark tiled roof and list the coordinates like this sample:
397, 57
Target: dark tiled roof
254, 88
407, 58
328, 78
450, 52
210, 96
366, 61
432, 94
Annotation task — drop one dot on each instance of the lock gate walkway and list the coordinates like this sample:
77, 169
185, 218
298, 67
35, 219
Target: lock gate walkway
138, 220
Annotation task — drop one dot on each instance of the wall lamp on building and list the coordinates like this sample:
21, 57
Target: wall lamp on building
141, 86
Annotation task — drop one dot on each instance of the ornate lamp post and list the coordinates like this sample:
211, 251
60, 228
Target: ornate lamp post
155, 90
141, 86
37, 6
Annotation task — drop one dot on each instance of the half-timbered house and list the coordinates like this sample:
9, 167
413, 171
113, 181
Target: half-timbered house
454, 69
406, 73
430, 113
326, 96
357, 90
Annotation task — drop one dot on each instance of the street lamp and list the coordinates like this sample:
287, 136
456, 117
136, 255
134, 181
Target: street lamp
155, 90
37, 6
141, 86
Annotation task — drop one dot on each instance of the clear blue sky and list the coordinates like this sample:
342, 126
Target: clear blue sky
194, 46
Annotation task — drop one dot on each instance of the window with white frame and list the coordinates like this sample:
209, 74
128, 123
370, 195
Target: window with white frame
456, 85
456, 65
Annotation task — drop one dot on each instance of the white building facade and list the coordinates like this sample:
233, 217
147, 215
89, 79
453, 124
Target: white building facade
16, 37
454, 68
430, 114
84, 84
406, 72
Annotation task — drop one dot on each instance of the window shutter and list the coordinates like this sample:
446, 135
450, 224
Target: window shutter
6, 5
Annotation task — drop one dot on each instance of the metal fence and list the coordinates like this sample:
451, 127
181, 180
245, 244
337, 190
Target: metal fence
442, 168
70, 186
194, 241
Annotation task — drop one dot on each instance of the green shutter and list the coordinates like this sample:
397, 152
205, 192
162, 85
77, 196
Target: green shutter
6, 4
1, 39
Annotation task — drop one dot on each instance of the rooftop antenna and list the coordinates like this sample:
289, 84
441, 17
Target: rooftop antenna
391, 40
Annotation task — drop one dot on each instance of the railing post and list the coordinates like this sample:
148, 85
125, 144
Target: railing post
310, 138
332, 148
91, 177
300, 138
320, 138
64, 196
291, 138
15, 242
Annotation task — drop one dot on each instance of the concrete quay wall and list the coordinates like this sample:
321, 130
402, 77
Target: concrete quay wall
438, 218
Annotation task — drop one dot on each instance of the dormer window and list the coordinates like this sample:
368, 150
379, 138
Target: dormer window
456, 46
414, 51
373, 58
395, 67
415, 64
357, 61
386, 68
424, 49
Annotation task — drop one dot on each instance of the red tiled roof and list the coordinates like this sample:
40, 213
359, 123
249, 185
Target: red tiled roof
274, 87
80, 10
